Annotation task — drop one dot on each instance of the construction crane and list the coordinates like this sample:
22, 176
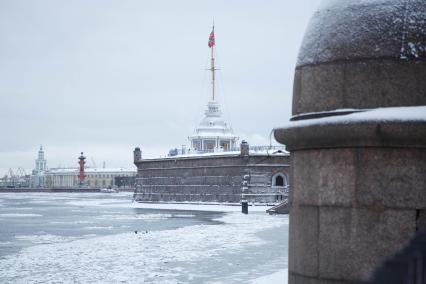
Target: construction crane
20, 172
93, 162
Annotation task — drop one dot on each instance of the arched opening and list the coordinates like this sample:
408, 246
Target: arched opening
279, 181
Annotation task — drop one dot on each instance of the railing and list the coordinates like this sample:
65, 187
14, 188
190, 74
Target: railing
262, 148
267, 148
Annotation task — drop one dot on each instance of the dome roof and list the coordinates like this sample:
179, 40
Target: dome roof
213, 124
362, 54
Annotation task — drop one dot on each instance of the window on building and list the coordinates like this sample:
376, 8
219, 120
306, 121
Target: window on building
224, 145
209, 144
196, 144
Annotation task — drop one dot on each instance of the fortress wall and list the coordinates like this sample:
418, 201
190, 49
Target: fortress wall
208, 179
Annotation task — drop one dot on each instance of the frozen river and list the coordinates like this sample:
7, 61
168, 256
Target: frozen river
105, 238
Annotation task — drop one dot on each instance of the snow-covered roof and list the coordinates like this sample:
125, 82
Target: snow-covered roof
91, 170
108, 170
265, 152
213, 125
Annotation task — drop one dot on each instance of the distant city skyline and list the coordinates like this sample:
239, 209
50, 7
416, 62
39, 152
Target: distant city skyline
102, 77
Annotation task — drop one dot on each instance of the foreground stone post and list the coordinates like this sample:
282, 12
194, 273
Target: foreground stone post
358, 181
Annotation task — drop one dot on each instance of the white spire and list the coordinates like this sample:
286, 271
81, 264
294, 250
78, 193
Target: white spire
40, 163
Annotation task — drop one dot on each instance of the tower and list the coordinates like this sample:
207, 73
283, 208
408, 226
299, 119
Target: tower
37, 177
81, 162
137, 154
40, 163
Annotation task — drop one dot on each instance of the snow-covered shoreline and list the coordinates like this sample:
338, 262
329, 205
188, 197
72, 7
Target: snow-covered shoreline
199, 207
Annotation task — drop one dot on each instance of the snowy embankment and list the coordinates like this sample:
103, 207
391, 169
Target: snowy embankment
277, 277
199, 207
155, 257
190, 206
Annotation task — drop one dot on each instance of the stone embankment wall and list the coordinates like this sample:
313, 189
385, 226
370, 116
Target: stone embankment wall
211, 179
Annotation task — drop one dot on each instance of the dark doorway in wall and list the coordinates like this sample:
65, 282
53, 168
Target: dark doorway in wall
279, 181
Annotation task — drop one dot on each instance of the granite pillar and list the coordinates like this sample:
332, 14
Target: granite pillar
357, 139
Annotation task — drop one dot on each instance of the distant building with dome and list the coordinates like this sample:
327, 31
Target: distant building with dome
216, 167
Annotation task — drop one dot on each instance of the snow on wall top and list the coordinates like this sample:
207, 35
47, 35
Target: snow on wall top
348, 29
90, 170
388, 114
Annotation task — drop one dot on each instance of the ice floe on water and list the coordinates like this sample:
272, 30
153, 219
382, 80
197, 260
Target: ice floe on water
167, 256
183, 215
146, 217
98, 227
71, 222
19, 215
44, 238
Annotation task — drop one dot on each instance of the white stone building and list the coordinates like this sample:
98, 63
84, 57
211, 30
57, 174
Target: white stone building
94, 177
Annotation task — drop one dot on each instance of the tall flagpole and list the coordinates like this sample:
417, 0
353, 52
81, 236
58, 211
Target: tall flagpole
212, 66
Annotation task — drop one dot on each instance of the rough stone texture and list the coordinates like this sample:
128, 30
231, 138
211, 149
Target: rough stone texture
391, 178
324, 177
210, 179
362, 54
359, 85
356, 29
352, 208
354, 241
358, 188
303, 239
368, 177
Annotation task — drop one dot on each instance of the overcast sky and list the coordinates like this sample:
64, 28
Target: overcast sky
104, 76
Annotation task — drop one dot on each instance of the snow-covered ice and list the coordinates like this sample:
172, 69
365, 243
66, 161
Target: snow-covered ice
277, 277
93, 240
153, 257
18, 215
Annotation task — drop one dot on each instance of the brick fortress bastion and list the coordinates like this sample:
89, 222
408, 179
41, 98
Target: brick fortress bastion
213, 168
223, 177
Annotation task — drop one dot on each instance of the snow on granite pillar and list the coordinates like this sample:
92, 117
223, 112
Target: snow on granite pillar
357, 139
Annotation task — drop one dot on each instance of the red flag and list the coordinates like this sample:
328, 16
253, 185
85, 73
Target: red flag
211, 39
